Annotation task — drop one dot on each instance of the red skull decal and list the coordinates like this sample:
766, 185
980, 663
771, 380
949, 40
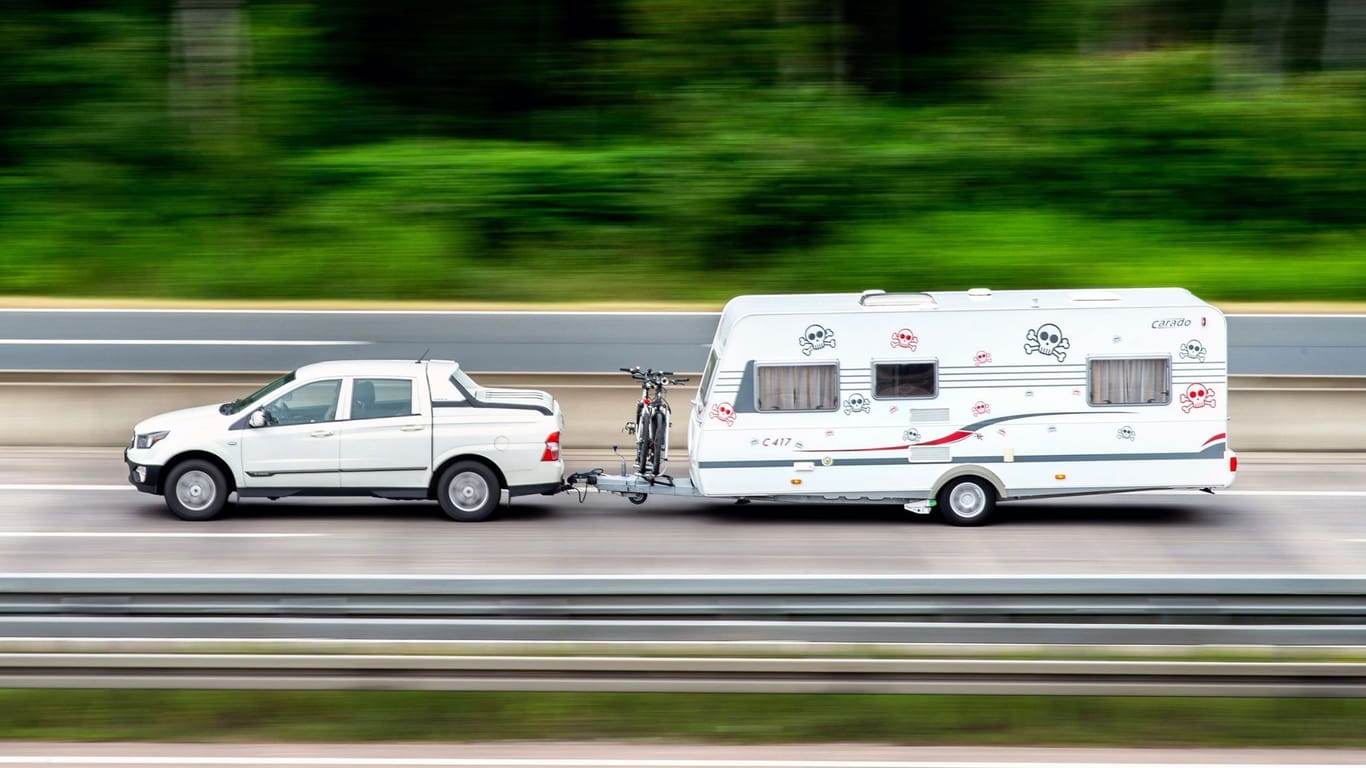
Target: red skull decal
980, 408
1196, 395
724, 413
904, 339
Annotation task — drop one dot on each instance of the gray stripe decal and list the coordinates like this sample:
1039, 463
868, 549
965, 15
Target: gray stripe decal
1215, 451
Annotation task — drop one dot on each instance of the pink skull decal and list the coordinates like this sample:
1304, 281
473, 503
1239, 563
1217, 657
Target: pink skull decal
1196, 395
981, 358
980, 408
724, 413
904, 339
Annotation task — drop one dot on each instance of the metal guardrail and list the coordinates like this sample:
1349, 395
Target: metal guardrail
1147, 610
677, 675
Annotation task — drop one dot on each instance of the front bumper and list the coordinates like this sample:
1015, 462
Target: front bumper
143, 477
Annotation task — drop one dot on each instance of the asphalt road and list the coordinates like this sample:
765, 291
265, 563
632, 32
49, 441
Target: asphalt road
71, 512
553, 342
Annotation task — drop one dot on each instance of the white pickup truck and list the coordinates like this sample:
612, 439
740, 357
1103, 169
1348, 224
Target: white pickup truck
387, 428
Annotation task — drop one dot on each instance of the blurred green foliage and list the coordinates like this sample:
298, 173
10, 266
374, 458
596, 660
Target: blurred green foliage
671, 149
354, 716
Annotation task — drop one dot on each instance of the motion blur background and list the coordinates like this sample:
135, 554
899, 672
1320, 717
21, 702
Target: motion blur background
430, 149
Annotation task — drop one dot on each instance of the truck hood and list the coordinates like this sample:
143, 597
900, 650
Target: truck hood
182, 418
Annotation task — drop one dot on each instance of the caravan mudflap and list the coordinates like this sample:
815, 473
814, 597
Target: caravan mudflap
635, 485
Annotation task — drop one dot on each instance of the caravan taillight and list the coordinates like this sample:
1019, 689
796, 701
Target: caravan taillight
552, 448
1233, 463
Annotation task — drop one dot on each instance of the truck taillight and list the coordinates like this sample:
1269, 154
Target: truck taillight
552, 448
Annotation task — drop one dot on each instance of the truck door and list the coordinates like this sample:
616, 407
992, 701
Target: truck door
386, 439
298, 445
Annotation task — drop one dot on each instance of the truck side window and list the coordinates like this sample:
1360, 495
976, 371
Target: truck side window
798, 387
308, 404
897, 380
381, 398
1129, 381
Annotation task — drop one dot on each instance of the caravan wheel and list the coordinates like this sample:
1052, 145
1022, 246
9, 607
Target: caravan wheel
966, 501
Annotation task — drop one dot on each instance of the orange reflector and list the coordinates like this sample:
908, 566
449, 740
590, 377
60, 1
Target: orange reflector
1233, 463
796, 481
1060, 477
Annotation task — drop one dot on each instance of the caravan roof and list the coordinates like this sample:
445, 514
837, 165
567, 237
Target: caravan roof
979, 299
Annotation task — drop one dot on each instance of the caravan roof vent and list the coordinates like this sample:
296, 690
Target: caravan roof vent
979, 293
884, 299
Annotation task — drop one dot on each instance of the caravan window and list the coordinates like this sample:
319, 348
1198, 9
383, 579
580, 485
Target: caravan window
1130, 381
904, 380
707, 375
797, 387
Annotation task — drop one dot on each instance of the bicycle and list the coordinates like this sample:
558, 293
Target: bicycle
653, 418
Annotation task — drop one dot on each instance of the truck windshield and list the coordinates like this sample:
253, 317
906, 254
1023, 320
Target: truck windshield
237, 406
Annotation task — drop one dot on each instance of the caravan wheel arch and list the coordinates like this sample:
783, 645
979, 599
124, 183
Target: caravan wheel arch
970, 470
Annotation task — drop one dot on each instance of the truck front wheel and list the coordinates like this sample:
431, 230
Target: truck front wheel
468, 492
196, 490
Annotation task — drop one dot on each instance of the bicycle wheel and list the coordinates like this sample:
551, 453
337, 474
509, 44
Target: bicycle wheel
659, 432
643, 443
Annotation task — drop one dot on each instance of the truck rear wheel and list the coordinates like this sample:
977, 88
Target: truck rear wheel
966, 501
468, 492
196, 490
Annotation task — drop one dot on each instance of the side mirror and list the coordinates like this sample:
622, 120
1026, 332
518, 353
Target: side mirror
257, 419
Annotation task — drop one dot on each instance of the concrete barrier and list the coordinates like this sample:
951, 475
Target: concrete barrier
40, 408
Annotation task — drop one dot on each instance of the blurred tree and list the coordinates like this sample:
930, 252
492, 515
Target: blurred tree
473, 67
209, 53
1344, 35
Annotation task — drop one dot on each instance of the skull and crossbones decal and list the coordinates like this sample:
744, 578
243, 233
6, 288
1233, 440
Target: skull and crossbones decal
1193, 350
816, 337
1196, 395
911, 435
724, 413
1126, 433
981, 358
980, 408
1047, 340
904, 339
857, 403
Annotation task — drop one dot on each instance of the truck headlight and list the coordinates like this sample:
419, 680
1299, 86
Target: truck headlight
150, 439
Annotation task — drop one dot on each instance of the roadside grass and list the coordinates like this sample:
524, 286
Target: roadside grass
307, 716
945, 250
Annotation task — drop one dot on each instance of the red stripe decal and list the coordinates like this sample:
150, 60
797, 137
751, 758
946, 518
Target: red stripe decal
1220, 436
946, 439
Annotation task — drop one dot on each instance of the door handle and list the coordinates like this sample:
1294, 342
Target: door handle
321, 433
412, 428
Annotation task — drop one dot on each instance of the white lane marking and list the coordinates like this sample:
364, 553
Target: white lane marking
146, 535
597, 763
183, 342
56, 487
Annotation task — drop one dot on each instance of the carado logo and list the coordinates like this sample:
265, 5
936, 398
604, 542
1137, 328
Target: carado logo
1172, 322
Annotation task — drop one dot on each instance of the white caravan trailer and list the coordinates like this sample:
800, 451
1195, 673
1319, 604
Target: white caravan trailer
949, 401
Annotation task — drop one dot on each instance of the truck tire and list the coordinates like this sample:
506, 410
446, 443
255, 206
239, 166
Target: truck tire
966, 501
196, 490
468, 491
